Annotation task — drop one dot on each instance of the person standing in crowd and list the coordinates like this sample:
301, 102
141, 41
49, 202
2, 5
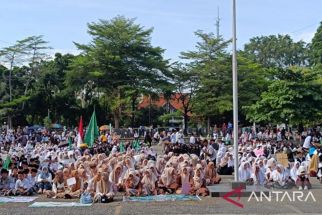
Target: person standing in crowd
192, 139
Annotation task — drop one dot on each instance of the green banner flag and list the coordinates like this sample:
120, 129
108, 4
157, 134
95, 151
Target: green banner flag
122, 147
136, 145
7, 163
70, 143
92, 131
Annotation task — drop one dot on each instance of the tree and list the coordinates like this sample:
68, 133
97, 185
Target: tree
12, 56
253, 80
212, 65
316, 47
50, 93
297, 99
35, 47
277, 51
186, 83
120, 56
23, 52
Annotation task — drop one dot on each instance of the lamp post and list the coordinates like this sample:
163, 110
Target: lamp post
235, 95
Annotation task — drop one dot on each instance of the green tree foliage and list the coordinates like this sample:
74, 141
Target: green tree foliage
186, 82
277, 51
210, 63
297, 98
316, 47
18, 79
279, 79
119, 59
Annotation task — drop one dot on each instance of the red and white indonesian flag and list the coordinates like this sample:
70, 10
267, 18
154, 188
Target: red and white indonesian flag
80, 134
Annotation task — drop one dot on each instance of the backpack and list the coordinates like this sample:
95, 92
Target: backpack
86, 198
105, 199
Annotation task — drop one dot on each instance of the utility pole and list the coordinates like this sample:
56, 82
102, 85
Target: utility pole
218, 23
235, 94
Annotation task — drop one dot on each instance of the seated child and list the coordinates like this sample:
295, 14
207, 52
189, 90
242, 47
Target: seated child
302, 180
21, 186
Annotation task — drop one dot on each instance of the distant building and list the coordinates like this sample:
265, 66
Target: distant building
169, 105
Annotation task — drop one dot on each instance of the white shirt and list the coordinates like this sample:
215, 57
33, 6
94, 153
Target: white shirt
31, 181
173, 138
192, 140
21, 184
307, 142
212, 152
180, 139
57, 186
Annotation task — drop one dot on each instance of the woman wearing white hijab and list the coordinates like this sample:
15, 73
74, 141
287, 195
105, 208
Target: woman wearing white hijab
294, 171
132, 183
168, 180
280, 178
148, 183
199, 182
102, 186
258, 175
245, 173
185, 181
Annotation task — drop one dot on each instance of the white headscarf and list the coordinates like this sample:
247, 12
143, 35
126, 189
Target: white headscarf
244, 174
294, 171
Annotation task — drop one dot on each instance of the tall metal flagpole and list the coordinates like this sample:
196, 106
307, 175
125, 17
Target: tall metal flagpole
235, 94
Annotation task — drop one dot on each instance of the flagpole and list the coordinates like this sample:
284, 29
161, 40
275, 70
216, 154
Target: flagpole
235, 95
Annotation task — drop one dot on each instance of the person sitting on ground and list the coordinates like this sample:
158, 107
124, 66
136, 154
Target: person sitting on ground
116, 177
66, 174
84, 178
199, 182
5, 182
245, 173
102, 187
132, 184
280, 180
74, 190
185, 181
148, 183
302, 181
294, 171
211, 174
225, 167
319, 173
58, 188
168, 181
32, 181
44, 180
21, 185
258, 175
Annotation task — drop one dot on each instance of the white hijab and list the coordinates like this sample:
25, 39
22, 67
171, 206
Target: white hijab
244, 174
294, 171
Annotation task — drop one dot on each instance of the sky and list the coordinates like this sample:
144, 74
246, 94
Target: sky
174, 21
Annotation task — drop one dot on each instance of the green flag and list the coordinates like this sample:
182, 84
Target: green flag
70, 143
122, 147
92, 131
136, 145
7, 163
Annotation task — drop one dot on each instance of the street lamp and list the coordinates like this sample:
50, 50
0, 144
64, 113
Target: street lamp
235, 95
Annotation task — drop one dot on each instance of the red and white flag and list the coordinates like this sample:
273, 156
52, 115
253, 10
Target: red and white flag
80, 134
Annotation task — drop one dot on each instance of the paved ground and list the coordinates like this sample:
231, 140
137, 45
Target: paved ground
207, 205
